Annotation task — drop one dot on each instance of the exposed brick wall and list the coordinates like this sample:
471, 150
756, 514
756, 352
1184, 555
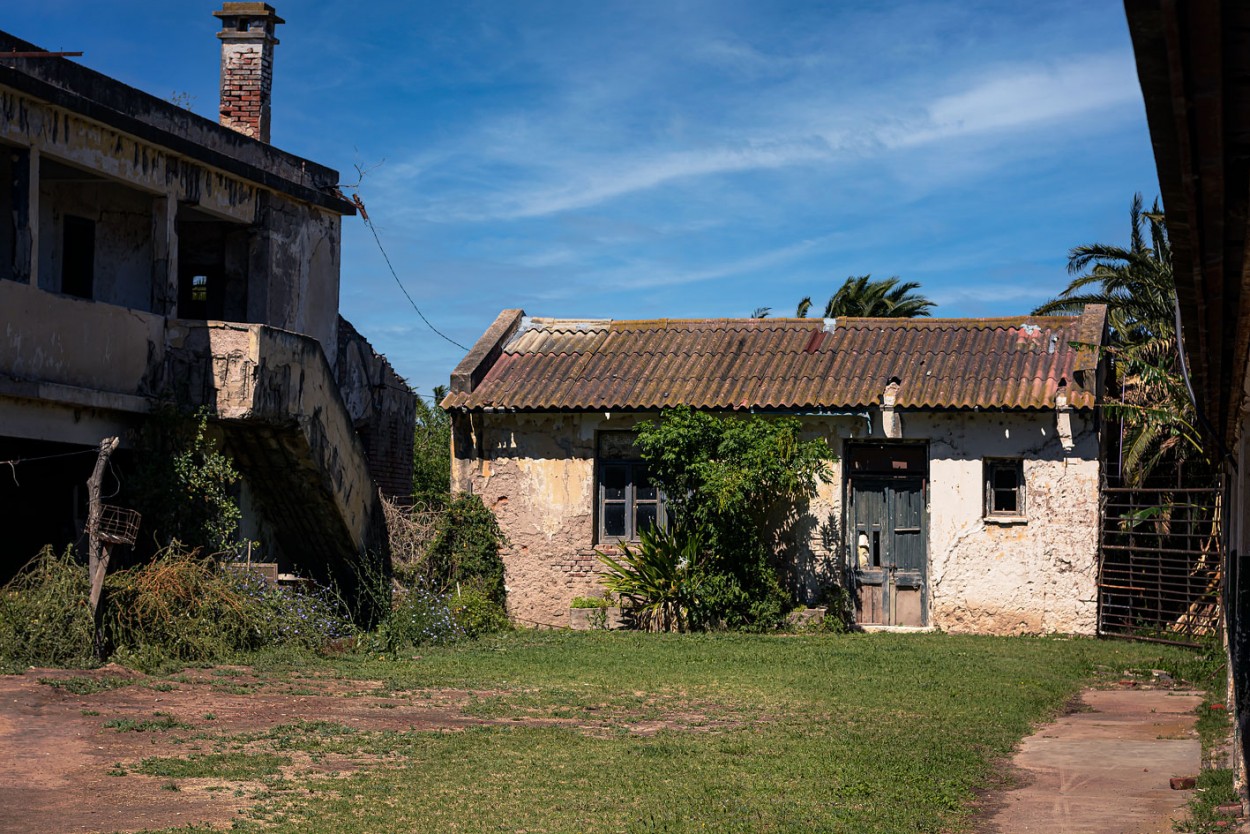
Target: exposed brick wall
383, 409
247, 42
246, 85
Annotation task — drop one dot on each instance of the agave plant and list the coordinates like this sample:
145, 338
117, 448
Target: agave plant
659, 578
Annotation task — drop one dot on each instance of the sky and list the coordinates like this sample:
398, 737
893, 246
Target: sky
688, 158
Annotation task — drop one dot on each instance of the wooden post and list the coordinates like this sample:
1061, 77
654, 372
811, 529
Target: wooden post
97, 557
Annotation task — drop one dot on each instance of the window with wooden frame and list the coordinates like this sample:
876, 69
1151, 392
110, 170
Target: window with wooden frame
1004, 489
628, 501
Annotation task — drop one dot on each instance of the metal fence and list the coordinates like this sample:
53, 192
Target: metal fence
1160, 562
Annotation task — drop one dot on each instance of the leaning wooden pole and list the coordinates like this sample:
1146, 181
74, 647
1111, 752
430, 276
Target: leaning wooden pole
97, 556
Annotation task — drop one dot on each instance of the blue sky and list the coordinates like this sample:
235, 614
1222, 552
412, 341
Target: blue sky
675, 159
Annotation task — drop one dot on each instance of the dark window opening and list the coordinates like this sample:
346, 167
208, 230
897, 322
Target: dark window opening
199, 289
1004, 488
629, 502
199, 293
78, 257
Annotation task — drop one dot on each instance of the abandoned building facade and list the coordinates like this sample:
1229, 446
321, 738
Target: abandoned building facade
156, 256
966, 492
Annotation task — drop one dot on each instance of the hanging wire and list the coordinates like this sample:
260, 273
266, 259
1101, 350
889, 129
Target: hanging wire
12, 464
395, 275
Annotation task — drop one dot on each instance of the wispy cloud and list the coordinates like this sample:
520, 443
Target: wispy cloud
1028, 97
538, 166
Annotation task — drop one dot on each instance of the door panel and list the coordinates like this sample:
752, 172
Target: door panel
888, 544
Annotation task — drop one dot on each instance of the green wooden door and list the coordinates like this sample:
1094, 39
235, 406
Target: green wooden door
887, 539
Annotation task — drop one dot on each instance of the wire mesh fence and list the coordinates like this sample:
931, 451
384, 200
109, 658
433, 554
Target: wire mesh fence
1160, 563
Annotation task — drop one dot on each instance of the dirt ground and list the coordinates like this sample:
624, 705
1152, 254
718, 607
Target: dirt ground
56, 752
68, 761
66, 765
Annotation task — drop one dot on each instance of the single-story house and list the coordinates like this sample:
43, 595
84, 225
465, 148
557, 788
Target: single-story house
966, 491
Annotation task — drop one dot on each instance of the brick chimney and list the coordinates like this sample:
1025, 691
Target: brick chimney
247, 42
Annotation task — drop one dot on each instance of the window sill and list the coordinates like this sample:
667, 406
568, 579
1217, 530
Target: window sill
1006, 520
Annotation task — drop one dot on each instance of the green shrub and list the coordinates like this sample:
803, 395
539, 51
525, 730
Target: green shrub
661, 580
421, 616
590, 602
731, 477
183, 483
44, 616
184, 607
465, 549
431, 452
178, 608
478, 614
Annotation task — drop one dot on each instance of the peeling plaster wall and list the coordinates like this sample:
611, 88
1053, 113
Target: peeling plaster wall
294, 256
537, 473
1021, 578
123, 239
75, 140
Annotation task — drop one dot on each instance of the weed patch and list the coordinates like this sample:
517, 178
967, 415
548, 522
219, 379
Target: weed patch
86, 685
158, 724
230, 767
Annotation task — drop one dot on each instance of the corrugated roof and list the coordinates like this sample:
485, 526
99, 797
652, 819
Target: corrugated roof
565, 364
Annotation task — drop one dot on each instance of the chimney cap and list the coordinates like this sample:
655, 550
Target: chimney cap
231, 9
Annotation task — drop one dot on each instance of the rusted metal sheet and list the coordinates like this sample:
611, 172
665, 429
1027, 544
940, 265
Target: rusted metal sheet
732, 364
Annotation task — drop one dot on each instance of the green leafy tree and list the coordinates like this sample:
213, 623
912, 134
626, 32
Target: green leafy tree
431, 452
725, 477
862, 297
1137, 285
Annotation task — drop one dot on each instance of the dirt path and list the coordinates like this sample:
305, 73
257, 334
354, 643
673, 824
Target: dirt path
57, 752
1105, 768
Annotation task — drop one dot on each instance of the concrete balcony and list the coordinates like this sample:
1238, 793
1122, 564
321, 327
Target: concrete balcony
73, 371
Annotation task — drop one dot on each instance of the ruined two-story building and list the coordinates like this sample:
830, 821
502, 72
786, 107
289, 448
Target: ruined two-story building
149, 255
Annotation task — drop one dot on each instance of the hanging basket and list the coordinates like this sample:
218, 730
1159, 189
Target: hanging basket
118, 525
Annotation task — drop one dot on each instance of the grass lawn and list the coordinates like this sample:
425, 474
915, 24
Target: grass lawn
673, 733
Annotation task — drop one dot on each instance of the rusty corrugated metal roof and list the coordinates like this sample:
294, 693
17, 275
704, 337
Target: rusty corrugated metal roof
788, 364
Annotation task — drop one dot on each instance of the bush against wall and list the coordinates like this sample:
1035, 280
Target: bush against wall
465, 550
453, 553
724, 478
183, 484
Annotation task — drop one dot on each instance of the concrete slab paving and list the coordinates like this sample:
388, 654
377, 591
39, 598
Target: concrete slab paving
1105, 768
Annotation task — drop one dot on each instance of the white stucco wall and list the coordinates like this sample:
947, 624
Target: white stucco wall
1036, 576
537, 473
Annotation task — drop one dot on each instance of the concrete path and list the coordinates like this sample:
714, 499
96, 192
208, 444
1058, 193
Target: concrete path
1104, 770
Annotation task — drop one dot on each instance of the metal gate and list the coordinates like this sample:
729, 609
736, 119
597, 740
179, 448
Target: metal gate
1160, 559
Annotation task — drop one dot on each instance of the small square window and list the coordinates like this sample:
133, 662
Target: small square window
1004, 489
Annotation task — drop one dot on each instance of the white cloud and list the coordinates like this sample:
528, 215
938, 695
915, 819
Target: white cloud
1027, 97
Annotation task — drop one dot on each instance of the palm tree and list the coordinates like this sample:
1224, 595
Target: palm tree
1137, 286
1135, 283
863, 297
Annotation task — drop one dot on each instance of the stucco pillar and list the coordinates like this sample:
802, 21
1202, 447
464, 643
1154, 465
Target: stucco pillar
26, 211
260, 269
165, 256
